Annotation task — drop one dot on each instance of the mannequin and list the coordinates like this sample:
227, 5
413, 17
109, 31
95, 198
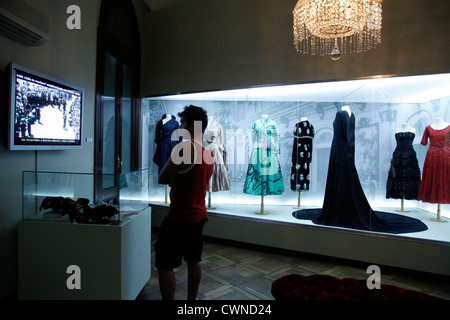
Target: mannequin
165, 128
439, 124
210, 119
264, 175
264, 116
166, 196
345, 204
347, 108
214, 137
434, 186
406, 128
298, 200
167, 118
298, 207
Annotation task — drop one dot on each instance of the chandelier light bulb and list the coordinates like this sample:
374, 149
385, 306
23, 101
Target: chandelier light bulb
335, 54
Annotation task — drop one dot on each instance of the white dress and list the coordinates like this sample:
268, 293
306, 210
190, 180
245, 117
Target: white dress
214, 136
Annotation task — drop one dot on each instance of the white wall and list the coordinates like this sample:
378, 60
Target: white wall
69, 55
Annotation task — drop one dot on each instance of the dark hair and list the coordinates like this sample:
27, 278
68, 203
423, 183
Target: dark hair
193, 113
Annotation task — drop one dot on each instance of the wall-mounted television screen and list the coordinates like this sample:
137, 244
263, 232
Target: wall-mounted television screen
45, 113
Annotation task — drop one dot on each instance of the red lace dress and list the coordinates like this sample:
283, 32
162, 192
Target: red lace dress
435, 185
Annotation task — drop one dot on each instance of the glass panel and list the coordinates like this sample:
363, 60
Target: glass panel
47, 196
133, 191
109, 121
381, 107
126, 109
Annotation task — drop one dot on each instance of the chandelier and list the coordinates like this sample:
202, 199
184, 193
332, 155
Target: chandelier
336, 26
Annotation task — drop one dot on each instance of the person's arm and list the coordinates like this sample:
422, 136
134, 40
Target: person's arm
169, 170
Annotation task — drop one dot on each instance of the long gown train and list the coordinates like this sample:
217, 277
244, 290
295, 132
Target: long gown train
345, 204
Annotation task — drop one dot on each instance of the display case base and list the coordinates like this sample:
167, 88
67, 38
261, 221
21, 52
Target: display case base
438, 219
427, 251
60, 260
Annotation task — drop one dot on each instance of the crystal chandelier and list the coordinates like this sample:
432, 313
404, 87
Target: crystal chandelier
336, 26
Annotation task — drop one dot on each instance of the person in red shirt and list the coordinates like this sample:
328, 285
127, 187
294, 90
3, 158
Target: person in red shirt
188, 172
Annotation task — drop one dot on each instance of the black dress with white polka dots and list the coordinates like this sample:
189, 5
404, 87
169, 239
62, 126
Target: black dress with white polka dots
301, 155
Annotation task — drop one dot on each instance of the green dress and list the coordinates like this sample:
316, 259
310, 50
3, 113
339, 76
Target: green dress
264, 171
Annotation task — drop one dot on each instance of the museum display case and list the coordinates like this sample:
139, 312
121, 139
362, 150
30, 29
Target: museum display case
380, 106
79, 248
70, 197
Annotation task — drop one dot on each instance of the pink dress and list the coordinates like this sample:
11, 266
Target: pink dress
435, 185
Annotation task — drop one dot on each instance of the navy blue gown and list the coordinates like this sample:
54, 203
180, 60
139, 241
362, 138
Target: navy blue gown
345, 204
164, 143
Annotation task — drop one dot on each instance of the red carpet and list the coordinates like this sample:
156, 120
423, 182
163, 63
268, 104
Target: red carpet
323, 287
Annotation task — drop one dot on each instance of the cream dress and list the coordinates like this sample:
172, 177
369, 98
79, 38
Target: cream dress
214, 136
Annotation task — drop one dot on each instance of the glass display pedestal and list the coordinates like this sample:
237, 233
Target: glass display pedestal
60, 260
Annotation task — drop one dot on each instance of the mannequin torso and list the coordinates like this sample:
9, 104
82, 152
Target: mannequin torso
347, 109
167, 118
439, 124
406, 128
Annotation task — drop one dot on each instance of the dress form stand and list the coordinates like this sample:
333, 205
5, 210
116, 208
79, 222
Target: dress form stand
298, 198
438, 216
298, 202
402, 206
404, 128
209, 201
210, 120
262, 207
264, 116
166, 196
439, 124
167, 118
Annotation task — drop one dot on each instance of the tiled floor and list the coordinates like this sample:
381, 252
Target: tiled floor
236, 271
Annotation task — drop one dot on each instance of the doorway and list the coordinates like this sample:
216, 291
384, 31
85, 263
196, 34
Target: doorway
117, 98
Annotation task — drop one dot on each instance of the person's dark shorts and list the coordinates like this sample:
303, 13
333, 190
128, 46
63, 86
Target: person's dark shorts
178, 240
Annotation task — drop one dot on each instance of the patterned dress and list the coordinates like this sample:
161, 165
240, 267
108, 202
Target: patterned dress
214, 136
264, 171
301, 155
404, 173
435, 186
